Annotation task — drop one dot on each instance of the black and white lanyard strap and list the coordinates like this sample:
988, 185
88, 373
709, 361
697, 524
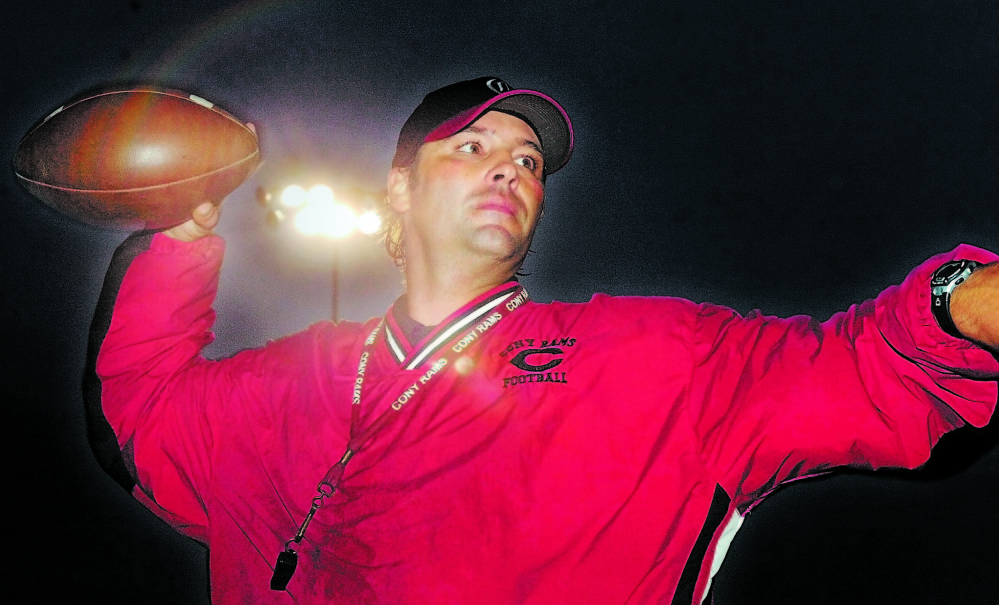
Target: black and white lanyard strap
460, 335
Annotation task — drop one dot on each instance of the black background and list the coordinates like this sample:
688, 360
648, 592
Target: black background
790, 157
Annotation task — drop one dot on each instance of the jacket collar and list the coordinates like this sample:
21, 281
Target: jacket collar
411, 355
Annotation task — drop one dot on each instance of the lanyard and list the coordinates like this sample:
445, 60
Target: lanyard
287, 560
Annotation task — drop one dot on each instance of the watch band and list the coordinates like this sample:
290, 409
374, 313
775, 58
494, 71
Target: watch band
950, 275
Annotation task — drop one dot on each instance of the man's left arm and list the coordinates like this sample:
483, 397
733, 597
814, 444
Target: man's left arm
874, 386
974, 307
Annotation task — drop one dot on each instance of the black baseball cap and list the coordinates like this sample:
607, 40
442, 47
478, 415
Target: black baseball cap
449, 110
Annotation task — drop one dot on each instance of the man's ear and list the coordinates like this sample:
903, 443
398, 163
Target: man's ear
398, 189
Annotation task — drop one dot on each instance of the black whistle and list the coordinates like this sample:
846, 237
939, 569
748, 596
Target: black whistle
287, 561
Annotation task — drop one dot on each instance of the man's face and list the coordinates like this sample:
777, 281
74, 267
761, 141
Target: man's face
477, 193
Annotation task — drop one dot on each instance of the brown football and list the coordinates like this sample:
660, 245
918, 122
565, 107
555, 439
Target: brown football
135, 158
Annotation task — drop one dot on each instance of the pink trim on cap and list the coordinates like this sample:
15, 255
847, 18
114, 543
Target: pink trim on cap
463, 119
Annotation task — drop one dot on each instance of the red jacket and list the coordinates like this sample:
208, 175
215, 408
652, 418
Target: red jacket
572, 453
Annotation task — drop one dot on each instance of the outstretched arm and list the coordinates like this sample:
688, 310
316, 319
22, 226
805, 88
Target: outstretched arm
874, 386
974, 307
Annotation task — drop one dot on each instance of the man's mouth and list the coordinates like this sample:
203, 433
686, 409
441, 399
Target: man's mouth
496, 204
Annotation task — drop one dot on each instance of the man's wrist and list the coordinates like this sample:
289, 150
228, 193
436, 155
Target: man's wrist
942, 284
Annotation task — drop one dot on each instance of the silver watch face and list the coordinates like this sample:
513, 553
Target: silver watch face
947, 272
950, 275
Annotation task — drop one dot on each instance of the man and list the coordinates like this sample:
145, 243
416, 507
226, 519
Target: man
474, 446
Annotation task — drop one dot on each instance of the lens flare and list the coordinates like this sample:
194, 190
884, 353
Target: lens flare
322, 215
369, 223
320, 194
339, 221
293, 196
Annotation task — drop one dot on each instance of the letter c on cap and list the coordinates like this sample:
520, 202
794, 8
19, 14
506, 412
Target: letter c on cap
498, 86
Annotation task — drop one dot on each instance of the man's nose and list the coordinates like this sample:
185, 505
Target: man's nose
504, 169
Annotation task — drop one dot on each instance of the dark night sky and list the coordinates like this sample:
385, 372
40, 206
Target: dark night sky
794, 159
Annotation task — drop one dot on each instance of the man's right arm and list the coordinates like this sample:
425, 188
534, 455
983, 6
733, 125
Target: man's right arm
103, 441
157, 389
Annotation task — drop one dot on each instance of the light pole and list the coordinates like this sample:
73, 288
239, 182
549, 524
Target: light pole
335, 284
317, 212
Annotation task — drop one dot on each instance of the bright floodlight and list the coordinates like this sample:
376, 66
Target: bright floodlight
293, 196
369, 223
324, 216
340, 222
320, 194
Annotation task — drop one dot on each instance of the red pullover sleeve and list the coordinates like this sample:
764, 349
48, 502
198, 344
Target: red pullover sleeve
161, 322
876, 386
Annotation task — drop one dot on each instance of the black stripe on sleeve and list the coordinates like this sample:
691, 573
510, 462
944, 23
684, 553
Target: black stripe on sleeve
688, 579
102, 439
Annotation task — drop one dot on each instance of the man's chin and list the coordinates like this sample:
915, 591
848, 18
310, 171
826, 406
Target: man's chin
501, 245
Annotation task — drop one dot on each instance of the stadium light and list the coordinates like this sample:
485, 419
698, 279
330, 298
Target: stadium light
293, 196
369, 223
318, 212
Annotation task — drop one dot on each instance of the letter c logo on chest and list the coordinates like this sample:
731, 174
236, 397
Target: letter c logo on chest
520, 360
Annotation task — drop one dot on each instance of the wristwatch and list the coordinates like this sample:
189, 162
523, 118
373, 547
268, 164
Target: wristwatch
944, 280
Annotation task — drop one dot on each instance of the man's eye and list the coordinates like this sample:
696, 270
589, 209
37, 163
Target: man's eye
529, 162
470, 147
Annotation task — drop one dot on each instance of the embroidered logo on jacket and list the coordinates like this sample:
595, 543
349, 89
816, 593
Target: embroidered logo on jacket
520, 360
536, 356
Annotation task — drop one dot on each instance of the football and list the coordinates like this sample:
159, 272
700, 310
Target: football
135, 158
